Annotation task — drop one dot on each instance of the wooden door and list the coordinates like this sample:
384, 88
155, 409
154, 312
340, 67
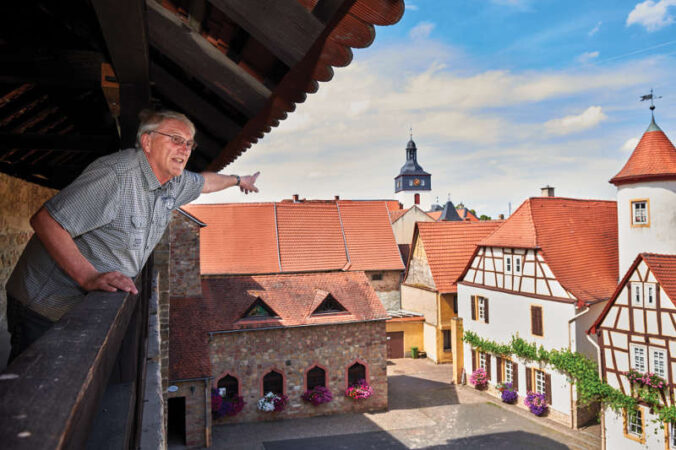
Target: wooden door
395, 344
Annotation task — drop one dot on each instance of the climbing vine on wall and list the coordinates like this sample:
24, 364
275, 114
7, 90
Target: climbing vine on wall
580, 369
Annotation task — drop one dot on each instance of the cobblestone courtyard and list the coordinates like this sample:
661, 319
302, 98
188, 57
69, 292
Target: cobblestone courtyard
426, 411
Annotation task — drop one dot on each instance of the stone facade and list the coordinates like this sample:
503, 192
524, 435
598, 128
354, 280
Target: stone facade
19, 200
249, 355
185, 257
197, 417
387, 284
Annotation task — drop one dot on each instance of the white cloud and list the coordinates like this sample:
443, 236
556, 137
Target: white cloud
587, 56
651, 15
595, 30
630, 145
421, 30
411, 6
590, 118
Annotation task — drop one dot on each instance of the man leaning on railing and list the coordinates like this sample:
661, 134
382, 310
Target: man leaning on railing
98, 232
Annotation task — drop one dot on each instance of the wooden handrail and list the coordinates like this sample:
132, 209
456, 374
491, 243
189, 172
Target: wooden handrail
50, 394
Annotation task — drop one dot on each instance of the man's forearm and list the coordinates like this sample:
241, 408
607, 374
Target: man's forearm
214, 182
61, 247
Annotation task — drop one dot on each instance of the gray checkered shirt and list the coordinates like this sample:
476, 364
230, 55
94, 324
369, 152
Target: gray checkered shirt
116, 211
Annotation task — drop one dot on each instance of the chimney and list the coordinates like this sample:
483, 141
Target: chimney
501, 216
336, 197
547, 191
416, 199
295, 198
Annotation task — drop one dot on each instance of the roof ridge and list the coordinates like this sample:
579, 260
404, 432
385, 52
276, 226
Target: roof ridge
342, 231
279, 253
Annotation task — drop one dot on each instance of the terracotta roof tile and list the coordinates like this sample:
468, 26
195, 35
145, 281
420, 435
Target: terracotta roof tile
466, 214
653, 159
245, 238
578, 239
664, 269
292, 296
397, 213
310, 237
434, 214
369, 236
449, 246
238, 238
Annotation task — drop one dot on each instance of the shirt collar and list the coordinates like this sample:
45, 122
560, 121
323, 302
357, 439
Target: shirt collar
151, 180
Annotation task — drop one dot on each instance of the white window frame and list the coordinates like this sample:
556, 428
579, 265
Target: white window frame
518, 264
650, 294
540, 382
636, 290
481, 308
508, 264
654, 361
509, 375
638, 360
635, 428
482, 360
639, 216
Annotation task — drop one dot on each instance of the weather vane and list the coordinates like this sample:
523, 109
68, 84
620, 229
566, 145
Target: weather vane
650, 97
410, 130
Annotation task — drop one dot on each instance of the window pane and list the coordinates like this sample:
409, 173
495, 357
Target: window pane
658, 363
640, 212
230, 384
355, 373
539, 382
316, 377
447, 339
273, 382
638, 361
508, 370
634, 422
482, 360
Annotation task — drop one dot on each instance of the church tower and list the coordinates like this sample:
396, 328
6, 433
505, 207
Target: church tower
646, 198
412, 180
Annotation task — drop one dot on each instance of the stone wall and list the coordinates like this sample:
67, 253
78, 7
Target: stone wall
161, 267
19, 200
249, 355
197, 419
185, 257
387, 287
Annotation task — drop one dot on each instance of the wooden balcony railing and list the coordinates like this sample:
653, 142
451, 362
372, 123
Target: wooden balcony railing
81, 384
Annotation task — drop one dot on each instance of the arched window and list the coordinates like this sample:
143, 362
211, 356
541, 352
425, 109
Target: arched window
355, 373
316, 377
273, 381
231, 386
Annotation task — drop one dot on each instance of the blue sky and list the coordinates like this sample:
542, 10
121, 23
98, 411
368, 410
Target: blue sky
504, 97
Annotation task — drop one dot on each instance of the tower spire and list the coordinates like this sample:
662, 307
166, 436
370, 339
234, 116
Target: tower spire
653, 126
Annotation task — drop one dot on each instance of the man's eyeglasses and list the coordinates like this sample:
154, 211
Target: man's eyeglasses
178, 140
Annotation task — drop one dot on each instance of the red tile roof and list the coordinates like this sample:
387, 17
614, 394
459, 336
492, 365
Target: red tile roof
466, 214
435, 214
663, 268
292, 296
397, 213
653, 159
449, 246
260, 238
578, 239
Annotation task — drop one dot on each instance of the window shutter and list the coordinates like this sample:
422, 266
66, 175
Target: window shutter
548, 388
473, 360
473, 307
532, 320
488, 367
498, 364
515, 376
529, 379
540, 328
486, 309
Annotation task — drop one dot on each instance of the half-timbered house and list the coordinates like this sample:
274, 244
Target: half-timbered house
544, 275
637, 328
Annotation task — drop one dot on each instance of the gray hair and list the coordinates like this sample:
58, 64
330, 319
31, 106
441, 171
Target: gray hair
151, 121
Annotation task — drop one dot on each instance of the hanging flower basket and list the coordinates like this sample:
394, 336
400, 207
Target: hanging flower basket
221, 407
317, 395
272, 402
359, 391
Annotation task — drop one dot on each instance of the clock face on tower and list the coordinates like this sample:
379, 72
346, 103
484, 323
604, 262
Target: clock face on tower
416, 182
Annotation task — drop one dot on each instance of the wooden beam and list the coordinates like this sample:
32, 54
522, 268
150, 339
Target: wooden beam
204, 61
123, 24
324, 10
285, 27
209, 117
79, 143
71, 68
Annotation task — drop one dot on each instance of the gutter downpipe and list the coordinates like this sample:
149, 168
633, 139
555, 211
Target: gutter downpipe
573, 395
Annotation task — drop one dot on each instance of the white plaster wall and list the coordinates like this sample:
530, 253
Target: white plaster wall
407, 198
420, 301
659, 237
579, 329
403, 227
615, 439
509, 314
430, 341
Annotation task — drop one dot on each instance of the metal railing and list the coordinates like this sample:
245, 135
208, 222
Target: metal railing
81, 384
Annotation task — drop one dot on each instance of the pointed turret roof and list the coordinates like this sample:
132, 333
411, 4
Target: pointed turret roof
653, 159
449, 213
411, 167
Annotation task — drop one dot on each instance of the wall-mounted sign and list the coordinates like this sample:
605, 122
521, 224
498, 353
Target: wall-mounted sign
172, 388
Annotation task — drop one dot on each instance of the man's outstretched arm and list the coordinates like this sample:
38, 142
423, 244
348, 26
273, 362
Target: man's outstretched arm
63, 250
214, 182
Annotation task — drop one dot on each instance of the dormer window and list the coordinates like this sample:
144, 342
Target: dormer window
329, 306
259, 310
640, 214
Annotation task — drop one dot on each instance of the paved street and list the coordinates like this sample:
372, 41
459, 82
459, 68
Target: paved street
426, 411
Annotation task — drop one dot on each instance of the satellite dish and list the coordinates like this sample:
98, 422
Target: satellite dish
172, 388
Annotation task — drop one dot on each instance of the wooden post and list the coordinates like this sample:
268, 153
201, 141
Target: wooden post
457, 333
